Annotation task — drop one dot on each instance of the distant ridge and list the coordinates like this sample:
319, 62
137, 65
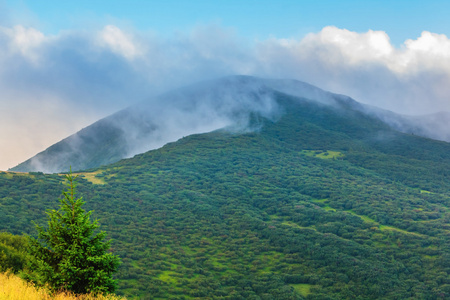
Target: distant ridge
203, 107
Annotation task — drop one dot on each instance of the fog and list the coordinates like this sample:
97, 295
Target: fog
54, 85
230, 104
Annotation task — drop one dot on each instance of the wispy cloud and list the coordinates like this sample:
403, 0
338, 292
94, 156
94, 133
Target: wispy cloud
52, 86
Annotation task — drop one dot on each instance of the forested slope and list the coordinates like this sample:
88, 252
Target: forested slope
322, 203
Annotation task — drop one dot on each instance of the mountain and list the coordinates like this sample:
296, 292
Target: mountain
319, 200
203, 107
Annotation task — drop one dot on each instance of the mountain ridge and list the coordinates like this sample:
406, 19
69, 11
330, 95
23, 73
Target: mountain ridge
201, 107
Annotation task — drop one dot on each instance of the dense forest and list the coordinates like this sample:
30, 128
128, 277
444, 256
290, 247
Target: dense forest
323, 203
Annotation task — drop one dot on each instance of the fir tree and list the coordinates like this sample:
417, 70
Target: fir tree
68, 254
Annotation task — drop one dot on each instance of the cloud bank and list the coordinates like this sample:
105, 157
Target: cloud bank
52, 86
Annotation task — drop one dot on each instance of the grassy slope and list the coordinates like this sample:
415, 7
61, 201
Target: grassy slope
267, 214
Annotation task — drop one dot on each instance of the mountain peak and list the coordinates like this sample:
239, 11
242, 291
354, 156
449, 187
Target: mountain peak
228, 102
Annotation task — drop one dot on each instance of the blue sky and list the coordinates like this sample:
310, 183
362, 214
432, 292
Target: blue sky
400, 19
66, 64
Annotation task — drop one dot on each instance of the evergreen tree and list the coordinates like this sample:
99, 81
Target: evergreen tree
68, 254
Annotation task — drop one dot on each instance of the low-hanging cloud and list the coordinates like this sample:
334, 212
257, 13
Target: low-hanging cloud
53, 85
412, 79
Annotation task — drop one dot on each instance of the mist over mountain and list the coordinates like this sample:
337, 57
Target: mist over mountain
230, 103
435, 126
293, 199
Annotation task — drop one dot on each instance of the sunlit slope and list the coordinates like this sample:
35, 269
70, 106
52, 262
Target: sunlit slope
321, 203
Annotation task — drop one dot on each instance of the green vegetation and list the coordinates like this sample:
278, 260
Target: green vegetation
68, 255
253, 216
13, 252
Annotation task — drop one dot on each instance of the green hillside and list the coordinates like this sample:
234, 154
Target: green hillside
324, 203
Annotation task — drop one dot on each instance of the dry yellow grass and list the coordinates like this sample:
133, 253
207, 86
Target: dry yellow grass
15, 288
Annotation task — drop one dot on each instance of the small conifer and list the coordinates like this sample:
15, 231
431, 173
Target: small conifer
68, 254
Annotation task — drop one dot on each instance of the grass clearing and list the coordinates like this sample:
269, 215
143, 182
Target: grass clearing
328, 208
292, 224
10, 175
425, 192
92, 177
320, 200
303, 289
323, 154
167, 276
384, 227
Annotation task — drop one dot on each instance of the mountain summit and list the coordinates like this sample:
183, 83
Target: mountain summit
229, 102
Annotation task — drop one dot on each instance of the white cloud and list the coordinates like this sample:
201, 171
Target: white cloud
412, 79
119, 42
354, 47
430, 51
77, 77
23, 40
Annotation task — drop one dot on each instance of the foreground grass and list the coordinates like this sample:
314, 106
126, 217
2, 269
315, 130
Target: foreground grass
13, 287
